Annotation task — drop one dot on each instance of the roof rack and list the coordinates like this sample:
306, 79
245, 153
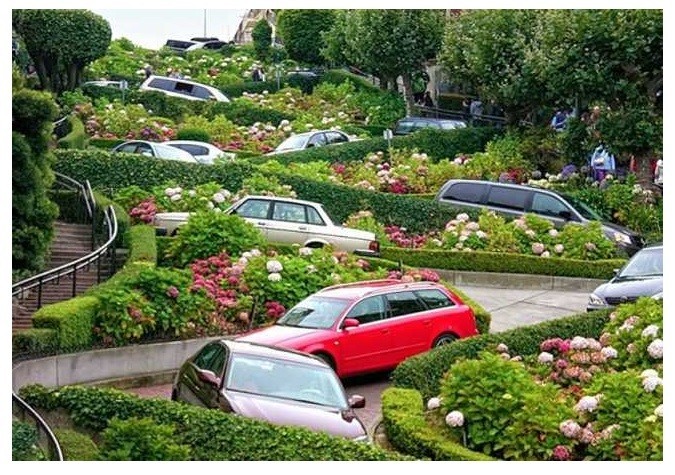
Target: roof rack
379, 283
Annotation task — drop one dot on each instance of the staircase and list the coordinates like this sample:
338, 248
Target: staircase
71, 241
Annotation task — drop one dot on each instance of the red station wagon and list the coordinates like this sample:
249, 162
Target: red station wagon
372, 325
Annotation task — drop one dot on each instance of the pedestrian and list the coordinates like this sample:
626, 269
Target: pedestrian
147, 69
658, 172
427, 100
559, 120
466, 107
256, 74
601, 162
476, 110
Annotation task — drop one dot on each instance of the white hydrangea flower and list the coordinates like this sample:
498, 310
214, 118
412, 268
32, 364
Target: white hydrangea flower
255, 253
311, 269
649, 373
649, 384
218, 198
274, 277
169, 192
455, 419
655, 349
305, 251
434, 403
178, 189
558, 248
553, 232
578, 343
545, 254
587, 404
502, 348
570, 429
210, 205
659, 411
463, 217
609, 352
651, 331
176, 197
242, 261
192, 193
274, 266
545, 357
247, 255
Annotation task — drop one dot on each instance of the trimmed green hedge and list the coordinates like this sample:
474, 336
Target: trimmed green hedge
408, 430
503, 262
424, 372
438, 144
211, 435
35, 342
143, 242
71, 319
76, 138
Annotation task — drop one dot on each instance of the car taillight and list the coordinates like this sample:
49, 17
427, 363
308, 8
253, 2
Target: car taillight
374, 246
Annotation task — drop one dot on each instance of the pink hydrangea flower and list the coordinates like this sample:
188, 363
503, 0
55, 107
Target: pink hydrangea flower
587, 404
609, 352
655, 349
545, 357
560, 452
172, 292
537, 248
570, 429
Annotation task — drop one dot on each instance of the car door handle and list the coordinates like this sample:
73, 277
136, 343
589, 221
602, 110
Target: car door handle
302, 228
426, 322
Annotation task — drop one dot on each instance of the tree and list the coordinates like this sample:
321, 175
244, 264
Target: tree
61, 43
262, 39
32, 212
300, 32
389, 43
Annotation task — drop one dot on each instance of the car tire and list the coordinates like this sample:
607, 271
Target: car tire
444, 339
327, 359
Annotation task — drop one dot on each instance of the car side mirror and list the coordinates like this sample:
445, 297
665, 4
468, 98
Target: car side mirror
350, 323
208, 377
357, 402
616, 271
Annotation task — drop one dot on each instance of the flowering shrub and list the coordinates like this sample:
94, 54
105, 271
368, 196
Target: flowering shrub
145, 211
365, 221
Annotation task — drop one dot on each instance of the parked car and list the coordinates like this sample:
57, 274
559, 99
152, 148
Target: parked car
287, 221
371, 325
306, 140
181, 46
106, 83
275, 385
204, 152
642, 276
408, 125
183, 88
154, 149
515, 200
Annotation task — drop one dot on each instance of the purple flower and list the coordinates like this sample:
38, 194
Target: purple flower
560, 452
172, 292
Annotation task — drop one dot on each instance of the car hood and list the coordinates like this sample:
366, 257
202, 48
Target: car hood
615, 227
630, 288
334, 421
175, 216
281, 335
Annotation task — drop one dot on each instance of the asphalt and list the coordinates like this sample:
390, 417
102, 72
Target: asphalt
510, 308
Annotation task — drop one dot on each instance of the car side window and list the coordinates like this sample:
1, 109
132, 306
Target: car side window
201, 92
404, 303
506, 197
466, 192
368, 310
254, 209
128, 148
144, 149
210, 358
292, 212
548, 205
192, 149
434, 298
161, 83
313, 217
184, 88
317, 140
335, 137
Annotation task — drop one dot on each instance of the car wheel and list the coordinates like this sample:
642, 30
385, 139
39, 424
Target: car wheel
444, 339
327, 359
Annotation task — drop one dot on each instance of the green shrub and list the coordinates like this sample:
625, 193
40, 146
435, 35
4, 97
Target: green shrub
25, 442
479, 261
77, 137
35, 342
424, 372
71, 319
142, 244
409, 432
243, 112
252, 87
207, 234
210, 434
76, 446
141, 439
123, 219
193, 134
161, 105
97, 92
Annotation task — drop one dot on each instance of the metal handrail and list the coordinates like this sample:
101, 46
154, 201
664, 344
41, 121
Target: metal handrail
86, 192
23, 410
71, 267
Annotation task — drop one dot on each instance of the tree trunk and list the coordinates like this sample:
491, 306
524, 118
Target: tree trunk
72, 77
408, 93
42, 73
643, 171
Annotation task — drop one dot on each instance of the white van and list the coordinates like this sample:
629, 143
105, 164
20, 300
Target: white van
183, 88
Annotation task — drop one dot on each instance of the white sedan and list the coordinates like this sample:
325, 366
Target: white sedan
204, 152
155, 149
287, 221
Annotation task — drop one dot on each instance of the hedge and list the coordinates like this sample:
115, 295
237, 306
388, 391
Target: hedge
211, 434
424, 372
438, 144
34, 342
71, 319
76, 138
76, 446
479, 261
408, 431
143, 244
105, 144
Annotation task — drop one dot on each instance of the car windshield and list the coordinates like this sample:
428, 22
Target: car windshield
293, 142
454, 124
314, 312
283, 379
584, 209
646, 263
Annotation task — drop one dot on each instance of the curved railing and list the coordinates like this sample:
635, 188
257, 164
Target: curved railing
70, 269
46, 439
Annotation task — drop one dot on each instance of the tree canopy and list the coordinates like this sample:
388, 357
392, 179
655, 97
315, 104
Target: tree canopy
300, 32
262, 39
61, 43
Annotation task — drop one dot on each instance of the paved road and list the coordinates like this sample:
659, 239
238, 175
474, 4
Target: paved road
510, 308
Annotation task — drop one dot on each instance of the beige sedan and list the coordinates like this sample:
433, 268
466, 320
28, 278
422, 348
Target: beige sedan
288, 221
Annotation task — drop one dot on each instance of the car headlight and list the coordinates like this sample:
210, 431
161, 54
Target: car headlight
595, 300
622, 238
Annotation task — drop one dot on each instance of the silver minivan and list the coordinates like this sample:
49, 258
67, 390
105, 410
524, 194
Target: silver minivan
515, 200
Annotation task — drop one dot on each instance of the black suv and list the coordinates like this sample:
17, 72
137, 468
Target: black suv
515, 200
